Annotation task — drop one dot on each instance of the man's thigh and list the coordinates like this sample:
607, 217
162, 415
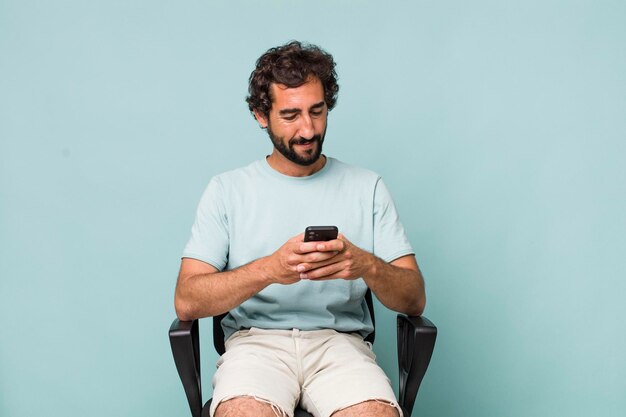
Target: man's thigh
259, 369
368, 409
246, 407
341, 373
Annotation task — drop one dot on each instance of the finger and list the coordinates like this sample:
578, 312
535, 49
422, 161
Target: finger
330, 271
311, 265
306, 247
335, 245
315, 257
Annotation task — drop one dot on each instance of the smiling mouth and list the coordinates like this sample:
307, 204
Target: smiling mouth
305, 141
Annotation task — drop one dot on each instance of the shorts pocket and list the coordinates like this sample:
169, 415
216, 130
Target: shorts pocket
235, 336
360, 343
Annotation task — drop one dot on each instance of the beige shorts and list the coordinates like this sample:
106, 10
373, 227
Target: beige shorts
322, 370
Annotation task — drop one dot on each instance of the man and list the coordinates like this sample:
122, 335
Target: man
297, 314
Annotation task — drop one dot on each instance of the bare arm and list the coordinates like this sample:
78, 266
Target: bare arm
203, 291
399, 285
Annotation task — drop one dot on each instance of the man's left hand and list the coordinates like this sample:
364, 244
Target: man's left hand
350, 262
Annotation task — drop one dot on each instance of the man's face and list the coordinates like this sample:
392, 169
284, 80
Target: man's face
297, 121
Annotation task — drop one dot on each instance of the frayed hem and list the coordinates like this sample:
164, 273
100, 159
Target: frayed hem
391, 404
278, 411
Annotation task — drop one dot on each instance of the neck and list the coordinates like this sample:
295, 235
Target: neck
286, 167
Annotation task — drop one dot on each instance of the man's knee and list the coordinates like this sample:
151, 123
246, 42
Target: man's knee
372, 408
246, 407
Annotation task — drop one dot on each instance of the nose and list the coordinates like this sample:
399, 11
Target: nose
306, 131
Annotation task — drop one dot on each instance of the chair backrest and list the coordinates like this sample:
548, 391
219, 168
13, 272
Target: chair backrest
218, 332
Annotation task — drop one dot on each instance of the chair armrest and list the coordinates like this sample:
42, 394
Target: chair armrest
185, 345
416, 341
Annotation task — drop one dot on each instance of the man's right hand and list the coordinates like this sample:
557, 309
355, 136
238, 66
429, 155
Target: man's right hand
281, 267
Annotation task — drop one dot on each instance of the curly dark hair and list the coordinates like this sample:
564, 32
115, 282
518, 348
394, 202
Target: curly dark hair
291, 64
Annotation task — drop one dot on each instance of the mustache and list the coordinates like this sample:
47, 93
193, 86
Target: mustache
302, 141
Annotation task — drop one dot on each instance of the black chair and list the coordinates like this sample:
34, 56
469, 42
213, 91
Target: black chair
416, 341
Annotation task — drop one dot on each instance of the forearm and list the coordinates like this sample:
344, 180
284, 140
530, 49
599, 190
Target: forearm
209, 294
399, 288
202, 291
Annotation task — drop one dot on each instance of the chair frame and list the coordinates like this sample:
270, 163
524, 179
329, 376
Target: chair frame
415, 337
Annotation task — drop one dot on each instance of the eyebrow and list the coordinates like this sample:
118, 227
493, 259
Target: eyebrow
316, 106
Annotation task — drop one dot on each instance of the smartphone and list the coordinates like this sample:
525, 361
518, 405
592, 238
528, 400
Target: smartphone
320, 233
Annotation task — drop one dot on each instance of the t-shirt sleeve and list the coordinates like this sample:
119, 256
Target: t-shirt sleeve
209, 233
390, 240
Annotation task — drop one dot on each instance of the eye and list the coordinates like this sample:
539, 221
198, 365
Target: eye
290, 118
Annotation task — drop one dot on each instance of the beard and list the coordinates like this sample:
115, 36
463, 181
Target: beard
288, 151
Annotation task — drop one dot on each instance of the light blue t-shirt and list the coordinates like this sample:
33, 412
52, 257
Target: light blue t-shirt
250, 212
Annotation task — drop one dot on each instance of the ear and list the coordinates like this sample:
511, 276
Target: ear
260, 117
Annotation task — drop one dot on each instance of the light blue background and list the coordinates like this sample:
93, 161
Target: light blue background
500, 127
